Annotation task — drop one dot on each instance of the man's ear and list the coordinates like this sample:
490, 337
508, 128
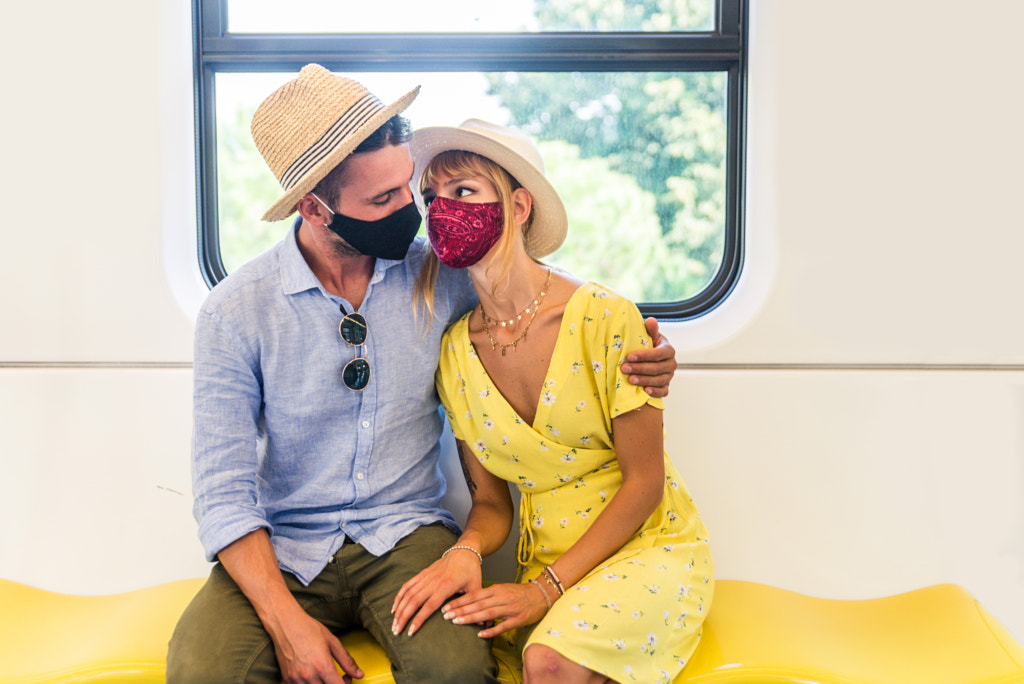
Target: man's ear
312, 211
522, 203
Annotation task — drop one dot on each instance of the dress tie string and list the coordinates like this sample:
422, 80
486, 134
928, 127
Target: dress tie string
524, 549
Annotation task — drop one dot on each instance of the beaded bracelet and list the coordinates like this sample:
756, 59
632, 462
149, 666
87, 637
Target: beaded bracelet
542, 593
465, 548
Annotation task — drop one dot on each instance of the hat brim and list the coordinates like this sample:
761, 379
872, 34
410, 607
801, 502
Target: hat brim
550, 223
286, 205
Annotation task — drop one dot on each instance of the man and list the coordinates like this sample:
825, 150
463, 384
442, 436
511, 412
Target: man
316, 427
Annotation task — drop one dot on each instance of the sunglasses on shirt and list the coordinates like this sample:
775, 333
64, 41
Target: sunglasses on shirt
356, 374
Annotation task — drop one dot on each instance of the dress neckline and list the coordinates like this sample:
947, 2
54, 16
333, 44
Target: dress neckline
475, 356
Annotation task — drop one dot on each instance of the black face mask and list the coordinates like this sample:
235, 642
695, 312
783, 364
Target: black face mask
386, 238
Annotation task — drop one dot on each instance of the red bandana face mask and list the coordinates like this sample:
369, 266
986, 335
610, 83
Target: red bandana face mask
461, 233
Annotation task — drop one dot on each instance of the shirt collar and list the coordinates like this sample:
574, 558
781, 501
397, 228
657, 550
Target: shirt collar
297, 276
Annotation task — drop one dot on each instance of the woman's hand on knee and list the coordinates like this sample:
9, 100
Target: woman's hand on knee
508, 605
422, 596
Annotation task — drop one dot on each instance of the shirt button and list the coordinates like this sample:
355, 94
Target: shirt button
359, 476
366, 423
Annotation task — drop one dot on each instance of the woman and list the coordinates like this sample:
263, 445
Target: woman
615, 572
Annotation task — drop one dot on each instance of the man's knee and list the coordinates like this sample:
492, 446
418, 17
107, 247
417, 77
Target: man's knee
191, 659
219, 639
456, 657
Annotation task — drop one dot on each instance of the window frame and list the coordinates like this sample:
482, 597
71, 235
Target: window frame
723, 49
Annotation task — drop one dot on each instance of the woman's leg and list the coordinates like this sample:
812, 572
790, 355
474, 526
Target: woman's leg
544, 665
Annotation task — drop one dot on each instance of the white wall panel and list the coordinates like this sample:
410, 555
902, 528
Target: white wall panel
852, 484
96, 490
884, 146
82, 264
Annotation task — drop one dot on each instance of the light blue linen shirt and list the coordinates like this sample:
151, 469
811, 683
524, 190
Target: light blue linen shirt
280, 443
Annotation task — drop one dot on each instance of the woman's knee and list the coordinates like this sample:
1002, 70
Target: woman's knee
542, 664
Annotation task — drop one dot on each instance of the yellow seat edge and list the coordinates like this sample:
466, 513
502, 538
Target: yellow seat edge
1013, 650
138, 672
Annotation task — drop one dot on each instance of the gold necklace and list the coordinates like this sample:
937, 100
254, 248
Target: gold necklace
519, 316
532, 310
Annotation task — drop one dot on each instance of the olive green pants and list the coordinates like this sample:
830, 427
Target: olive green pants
219, 638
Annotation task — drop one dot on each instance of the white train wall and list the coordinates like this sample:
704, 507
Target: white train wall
850, 420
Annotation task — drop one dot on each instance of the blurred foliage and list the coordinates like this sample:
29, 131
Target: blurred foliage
621, 15
245, 189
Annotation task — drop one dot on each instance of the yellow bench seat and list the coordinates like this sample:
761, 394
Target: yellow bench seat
755, 634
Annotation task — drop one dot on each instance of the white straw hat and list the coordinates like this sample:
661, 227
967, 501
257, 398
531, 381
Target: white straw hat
310, 124
514, 152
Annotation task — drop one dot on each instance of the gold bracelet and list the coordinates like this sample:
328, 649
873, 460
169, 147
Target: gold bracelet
553, 579
465, 548
542, 593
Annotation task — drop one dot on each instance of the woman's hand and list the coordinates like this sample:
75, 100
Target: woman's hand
514, 605
456, 573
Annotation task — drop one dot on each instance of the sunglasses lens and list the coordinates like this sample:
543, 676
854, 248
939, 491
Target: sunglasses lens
353, 329
356, 374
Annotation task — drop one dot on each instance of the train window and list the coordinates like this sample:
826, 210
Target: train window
637, 107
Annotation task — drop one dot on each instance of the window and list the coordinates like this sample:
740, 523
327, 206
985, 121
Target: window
637, 106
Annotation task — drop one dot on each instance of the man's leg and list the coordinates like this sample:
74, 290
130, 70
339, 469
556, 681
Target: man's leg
440, 651
220, 639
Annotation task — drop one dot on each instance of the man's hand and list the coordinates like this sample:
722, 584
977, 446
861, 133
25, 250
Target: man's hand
307, 653
652, 369
306, 650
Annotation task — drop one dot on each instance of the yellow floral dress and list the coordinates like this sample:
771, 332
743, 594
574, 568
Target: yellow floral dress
638, 616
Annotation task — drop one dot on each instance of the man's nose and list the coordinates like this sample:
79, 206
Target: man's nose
406, 194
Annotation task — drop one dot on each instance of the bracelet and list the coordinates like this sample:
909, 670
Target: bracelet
465, 548
553, 579
542, 593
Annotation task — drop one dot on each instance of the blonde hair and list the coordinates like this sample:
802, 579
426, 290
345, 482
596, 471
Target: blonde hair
463, 164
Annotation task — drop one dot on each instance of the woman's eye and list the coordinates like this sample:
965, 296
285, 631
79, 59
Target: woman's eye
463, 192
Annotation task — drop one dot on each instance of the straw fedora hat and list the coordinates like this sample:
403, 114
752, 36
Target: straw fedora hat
310, 124
514, 152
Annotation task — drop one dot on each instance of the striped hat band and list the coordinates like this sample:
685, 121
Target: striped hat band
350, 121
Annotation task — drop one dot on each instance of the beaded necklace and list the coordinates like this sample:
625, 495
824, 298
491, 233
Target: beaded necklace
532, 310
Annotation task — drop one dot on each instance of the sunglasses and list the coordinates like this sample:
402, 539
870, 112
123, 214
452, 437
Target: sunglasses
356, 374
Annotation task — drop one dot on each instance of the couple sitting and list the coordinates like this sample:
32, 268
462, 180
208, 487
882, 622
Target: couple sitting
316, 479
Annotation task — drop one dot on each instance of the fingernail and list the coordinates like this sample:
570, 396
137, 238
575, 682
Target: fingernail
394, 628
448, 616
445, 609
412, 629
457, 621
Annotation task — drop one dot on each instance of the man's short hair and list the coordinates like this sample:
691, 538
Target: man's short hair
395, 131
